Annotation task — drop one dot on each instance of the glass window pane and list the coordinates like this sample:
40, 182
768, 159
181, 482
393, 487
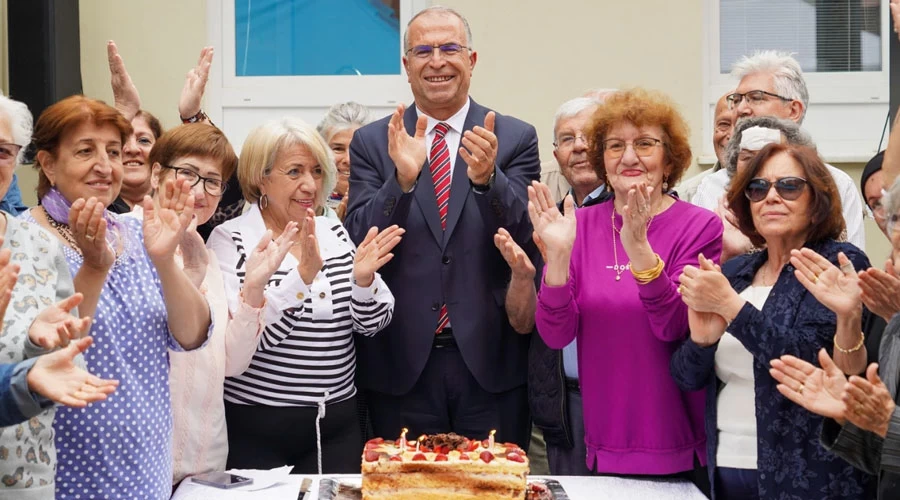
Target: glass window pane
834, 35
317, 37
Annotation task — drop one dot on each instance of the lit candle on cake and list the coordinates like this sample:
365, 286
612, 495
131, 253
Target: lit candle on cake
491, 439
403, 439
419, 441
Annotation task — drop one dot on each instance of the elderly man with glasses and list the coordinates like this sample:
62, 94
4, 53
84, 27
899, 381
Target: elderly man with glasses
451, 172
772, 84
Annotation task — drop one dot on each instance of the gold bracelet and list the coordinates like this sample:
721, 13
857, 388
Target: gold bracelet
644, 277
853, 349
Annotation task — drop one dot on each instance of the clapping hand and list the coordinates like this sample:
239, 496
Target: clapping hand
9, 274
479, 150
56, 377
195, 85
309, 257
555, 230
265, 260
89, 231
165, 224
869, 403
881, 290
636, 216
54, 326
518, 261
407, 152
836, 288
706, 327
734, 242
125, 94
374, 252
705, 289
819, 390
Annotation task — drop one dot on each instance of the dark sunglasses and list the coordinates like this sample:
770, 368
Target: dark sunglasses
789, 188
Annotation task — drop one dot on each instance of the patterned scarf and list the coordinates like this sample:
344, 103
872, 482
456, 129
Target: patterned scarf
57, 207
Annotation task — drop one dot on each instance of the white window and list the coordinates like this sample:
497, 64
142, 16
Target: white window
278, 58
842, 48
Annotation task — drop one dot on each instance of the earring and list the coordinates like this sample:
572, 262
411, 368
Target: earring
263, 202
665, 186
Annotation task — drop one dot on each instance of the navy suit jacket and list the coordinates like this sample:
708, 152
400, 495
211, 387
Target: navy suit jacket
458, 266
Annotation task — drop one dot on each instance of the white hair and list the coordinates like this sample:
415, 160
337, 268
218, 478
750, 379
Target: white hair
785, 71
341, 117
20, 120
439, 9
891, 199
573, 107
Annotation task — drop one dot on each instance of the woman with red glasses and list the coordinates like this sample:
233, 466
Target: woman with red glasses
759, 444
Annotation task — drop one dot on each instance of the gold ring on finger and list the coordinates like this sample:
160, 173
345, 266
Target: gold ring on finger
89, 237
800, 389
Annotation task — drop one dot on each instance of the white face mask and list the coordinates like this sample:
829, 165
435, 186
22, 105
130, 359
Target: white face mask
756, 138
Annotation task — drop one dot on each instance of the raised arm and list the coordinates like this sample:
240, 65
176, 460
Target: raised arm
188, 314
125, 94
193, 89
372, 303
521, 295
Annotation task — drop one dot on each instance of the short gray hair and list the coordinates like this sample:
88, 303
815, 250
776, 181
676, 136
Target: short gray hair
570, 108
438, 9
20, 120
785, 70
341, 117
791, 131
891, 199
263, 144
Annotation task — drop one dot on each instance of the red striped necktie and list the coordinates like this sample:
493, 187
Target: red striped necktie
439, 162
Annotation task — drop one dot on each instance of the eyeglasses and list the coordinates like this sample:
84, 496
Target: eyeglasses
789, 188
642, 146
569, 141
754, 98
213, 187
9, 151
446, 49
891, 223
877, 209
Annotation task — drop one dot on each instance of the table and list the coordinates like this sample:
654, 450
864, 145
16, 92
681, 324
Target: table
577, 487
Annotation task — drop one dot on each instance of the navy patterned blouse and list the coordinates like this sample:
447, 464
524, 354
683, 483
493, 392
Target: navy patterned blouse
791, 463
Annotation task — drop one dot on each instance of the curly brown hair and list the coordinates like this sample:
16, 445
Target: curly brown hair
642, 108
826, 219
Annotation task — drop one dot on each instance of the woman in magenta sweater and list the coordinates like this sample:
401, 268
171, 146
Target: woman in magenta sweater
611, 280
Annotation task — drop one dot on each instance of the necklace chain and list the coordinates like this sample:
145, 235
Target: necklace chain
612, 219
63, 230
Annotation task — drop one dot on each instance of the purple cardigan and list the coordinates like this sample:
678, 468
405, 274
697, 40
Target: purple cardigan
636, 420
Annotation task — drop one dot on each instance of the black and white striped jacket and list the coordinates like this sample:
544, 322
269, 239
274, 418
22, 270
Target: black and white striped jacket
307, 346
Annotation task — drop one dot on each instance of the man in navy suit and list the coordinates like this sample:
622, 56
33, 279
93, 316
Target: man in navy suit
451, 172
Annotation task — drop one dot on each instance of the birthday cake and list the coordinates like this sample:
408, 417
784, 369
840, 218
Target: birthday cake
443, 466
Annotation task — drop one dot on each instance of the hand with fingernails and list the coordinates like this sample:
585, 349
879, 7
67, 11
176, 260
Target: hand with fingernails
125, 94
881, 290
89, 231
195, 85
306, 250
265, 259
819, 390
704, 289
515, 257
479, 150
836, 288
374, 252
56, 377
869, 401
408, 152
554, 230
167, 219
55, 327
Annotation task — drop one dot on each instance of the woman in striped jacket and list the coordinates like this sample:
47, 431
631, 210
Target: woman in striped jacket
296, 403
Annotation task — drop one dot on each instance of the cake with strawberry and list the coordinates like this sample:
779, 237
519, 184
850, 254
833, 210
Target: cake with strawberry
443, 466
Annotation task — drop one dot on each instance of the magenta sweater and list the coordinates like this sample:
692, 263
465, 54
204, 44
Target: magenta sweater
636, 420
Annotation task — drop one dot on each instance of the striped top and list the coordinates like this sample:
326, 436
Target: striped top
306, 348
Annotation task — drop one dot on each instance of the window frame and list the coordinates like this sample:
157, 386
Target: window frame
831, 93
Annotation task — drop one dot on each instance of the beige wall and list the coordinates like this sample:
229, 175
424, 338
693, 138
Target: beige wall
159, 41
551, 52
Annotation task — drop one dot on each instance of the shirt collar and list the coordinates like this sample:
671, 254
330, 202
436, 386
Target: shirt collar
456, 122
590, 196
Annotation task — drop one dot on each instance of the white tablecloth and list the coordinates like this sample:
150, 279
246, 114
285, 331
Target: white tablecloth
577, 487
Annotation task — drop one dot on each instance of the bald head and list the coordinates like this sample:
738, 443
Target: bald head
723, 126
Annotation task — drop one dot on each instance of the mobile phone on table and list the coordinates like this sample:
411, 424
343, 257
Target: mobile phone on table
222, 480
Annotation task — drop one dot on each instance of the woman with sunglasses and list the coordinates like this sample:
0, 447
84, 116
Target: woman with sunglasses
612, 288
759, 444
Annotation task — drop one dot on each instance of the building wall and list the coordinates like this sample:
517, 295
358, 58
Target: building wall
532, 56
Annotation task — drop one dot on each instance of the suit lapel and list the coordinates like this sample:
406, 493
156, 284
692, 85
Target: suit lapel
460, 188
424, 192
889, 349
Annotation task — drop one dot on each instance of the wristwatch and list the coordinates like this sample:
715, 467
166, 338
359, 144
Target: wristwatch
484, 188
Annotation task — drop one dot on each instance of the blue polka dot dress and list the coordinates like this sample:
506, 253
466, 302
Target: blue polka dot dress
121, 447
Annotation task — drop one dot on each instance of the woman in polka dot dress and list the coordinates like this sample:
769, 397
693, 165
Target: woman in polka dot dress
141, 301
